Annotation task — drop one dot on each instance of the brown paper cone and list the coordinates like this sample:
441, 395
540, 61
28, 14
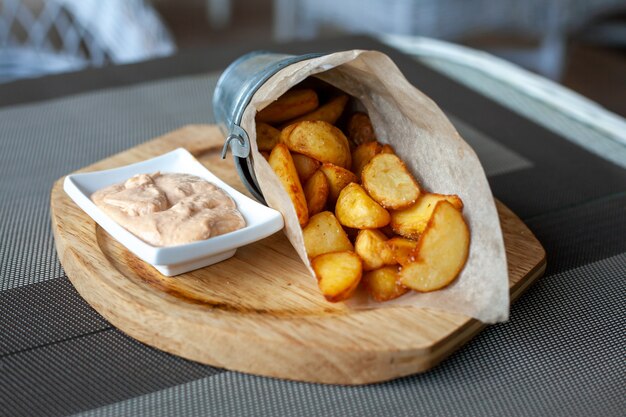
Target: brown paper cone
434, 152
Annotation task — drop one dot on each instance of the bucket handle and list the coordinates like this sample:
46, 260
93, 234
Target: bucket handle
238, 141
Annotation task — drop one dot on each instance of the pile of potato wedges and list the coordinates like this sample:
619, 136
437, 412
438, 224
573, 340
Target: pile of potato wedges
364, 217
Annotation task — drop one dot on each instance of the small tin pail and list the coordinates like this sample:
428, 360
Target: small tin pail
235, 88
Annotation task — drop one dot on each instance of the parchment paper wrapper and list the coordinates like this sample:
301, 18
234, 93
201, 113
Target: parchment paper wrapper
434, 152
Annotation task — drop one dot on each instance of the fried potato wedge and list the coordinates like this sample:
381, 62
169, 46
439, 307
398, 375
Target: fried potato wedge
319, 140
292, 104
306, 166
371, 246
281, 162
360, 129
411, 221
382, 284
401, 249
387, 149
441, 252
388, 181
316, 191
328, 112
324, 234
357, 209
338, 274
266, 136
286, 131
363, 154
338, 178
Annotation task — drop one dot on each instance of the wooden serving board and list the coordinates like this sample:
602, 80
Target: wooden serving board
260, 312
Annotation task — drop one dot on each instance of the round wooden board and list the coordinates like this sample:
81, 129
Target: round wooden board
260, 312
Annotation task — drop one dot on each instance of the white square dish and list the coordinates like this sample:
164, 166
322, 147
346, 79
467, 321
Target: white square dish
261, 221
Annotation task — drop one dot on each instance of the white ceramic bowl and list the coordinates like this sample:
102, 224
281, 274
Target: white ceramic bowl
261, 221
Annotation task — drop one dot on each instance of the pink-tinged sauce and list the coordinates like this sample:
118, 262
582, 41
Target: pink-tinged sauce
170, 209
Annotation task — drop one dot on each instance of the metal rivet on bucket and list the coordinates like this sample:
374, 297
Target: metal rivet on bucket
235, 88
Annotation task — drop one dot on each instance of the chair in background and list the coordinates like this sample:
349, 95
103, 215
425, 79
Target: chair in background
39, 37
549, 21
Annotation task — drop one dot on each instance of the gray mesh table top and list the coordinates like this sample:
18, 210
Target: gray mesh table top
561, 353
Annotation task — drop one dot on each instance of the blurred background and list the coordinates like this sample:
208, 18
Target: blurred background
578, 43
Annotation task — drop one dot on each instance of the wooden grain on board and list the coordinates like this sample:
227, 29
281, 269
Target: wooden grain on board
260, 312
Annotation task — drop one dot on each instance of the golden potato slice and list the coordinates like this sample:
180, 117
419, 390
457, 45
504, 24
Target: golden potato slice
411, 221
286, 131
319, 140
401, 249
357, 209
338, 274
324, 234
328, 112
371, 246
266, 136
316, 191
363, 154
388, 181
282, 164
360, 129
383, 285
387, 149
305, 166
292, 104
337, 178
441, 252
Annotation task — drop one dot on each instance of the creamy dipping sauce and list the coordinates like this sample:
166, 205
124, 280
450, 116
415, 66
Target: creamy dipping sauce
170, 209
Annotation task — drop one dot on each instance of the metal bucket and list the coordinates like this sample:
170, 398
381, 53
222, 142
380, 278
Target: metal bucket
235, 88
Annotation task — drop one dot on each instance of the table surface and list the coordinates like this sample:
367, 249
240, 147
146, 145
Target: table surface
561, 353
